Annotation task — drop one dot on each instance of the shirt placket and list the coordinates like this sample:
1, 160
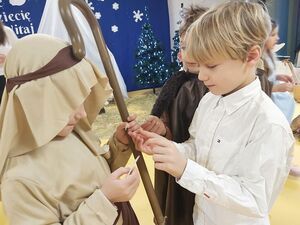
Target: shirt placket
213, 122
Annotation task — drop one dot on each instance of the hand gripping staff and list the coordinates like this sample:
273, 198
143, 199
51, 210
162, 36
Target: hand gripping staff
79, 52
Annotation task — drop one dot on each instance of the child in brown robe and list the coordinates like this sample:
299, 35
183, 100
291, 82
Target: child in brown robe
53, 170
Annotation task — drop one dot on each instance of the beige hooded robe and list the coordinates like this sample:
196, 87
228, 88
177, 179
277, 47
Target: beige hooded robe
46, 179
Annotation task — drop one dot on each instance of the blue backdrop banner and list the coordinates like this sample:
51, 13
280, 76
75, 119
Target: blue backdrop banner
120, 21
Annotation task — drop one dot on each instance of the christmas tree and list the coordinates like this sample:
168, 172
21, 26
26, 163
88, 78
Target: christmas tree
175, 64
151, 69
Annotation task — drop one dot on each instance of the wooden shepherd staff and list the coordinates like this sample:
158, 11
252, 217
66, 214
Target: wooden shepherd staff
79, 52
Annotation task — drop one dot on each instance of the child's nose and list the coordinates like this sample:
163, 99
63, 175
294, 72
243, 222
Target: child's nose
202, 76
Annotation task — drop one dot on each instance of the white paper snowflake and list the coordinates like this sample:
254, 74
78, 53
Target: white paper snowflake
90, 4
17, 2
137, 16
115, 6
114, 28
98, 15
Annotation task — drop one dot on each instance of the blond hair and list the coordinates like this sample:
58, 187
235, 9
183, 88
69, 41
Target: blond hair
228, 31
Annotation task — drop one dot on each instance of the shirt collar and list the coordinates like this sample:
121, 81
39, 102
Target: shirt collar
237, 99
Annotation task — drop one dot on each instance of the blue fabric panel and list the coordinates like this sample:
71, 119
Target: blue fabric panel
24, 19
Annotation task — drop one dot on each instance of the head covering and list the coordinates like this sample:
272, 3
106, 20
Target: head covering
33, 113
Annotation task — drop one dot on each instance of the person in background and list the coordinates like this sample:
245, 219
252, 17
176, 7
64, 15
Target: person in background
171, 116
238, 156
295, 126
53, 168
282, 84
7, 39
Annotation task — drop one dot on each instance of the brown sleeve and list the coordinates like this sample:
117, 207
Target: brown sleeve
165, 118
266, 85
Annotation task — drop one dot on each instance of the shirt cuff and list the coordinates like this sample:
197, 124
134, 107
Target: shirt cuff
100, 205
193, 173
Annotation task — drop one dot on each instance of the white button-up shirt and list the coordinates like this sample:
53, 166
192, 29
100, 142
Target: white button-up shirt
239, 157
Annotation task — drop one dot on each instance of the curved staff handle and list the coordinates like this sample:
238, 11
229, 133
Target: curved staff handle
79, 52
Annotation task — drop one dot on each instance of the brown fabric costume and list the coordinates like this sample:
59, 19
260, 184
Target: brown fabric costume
266, 85
176, 106
46, 179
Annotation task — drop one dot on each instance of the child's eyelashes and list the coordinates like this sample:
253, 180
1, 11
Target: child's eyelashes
211, 66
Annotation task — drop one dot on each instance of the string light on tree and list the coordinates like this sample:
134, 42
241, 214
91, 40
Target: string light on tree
175, 63
151, 69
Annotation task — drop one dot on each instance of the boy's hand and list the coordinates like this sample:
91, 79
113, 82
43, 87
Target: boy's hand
131, 125
284, 78
155, 124
139, 138
164, 152
2, 58
283, 87
117, 189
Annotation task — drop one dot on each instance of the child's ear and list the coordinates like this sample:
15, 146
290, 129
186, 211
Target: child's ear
254, 54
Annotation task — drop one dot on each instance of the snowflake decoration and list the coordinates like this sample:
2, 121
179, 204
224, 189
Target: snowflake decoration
137, 16
115, 6
114, 28
98, 15
90, 4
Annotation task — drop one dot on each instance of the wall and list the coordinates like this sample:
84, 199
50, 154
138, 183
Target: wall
24, 16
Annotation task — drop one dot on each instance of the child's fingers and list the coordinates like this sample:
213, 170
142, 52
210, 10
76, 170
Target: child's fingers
131, 117
147, 134
121, 125
132, 127
133, 177
151, 122
158, 141
146, 125
135, 136
139, 143
119, 172
159, 150
157, 129
161, 158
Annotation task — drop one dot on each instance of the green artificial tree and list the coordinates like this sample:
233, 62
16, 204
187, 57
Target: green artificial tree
175, 63
151, 69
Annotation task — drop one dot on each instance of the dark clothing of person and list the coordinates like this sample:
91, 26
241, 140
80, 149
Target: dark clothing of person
176, 105
266, 85
2, 86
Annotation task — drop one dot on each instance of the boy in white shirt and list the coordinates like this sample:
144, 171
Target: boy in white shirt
238, 155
